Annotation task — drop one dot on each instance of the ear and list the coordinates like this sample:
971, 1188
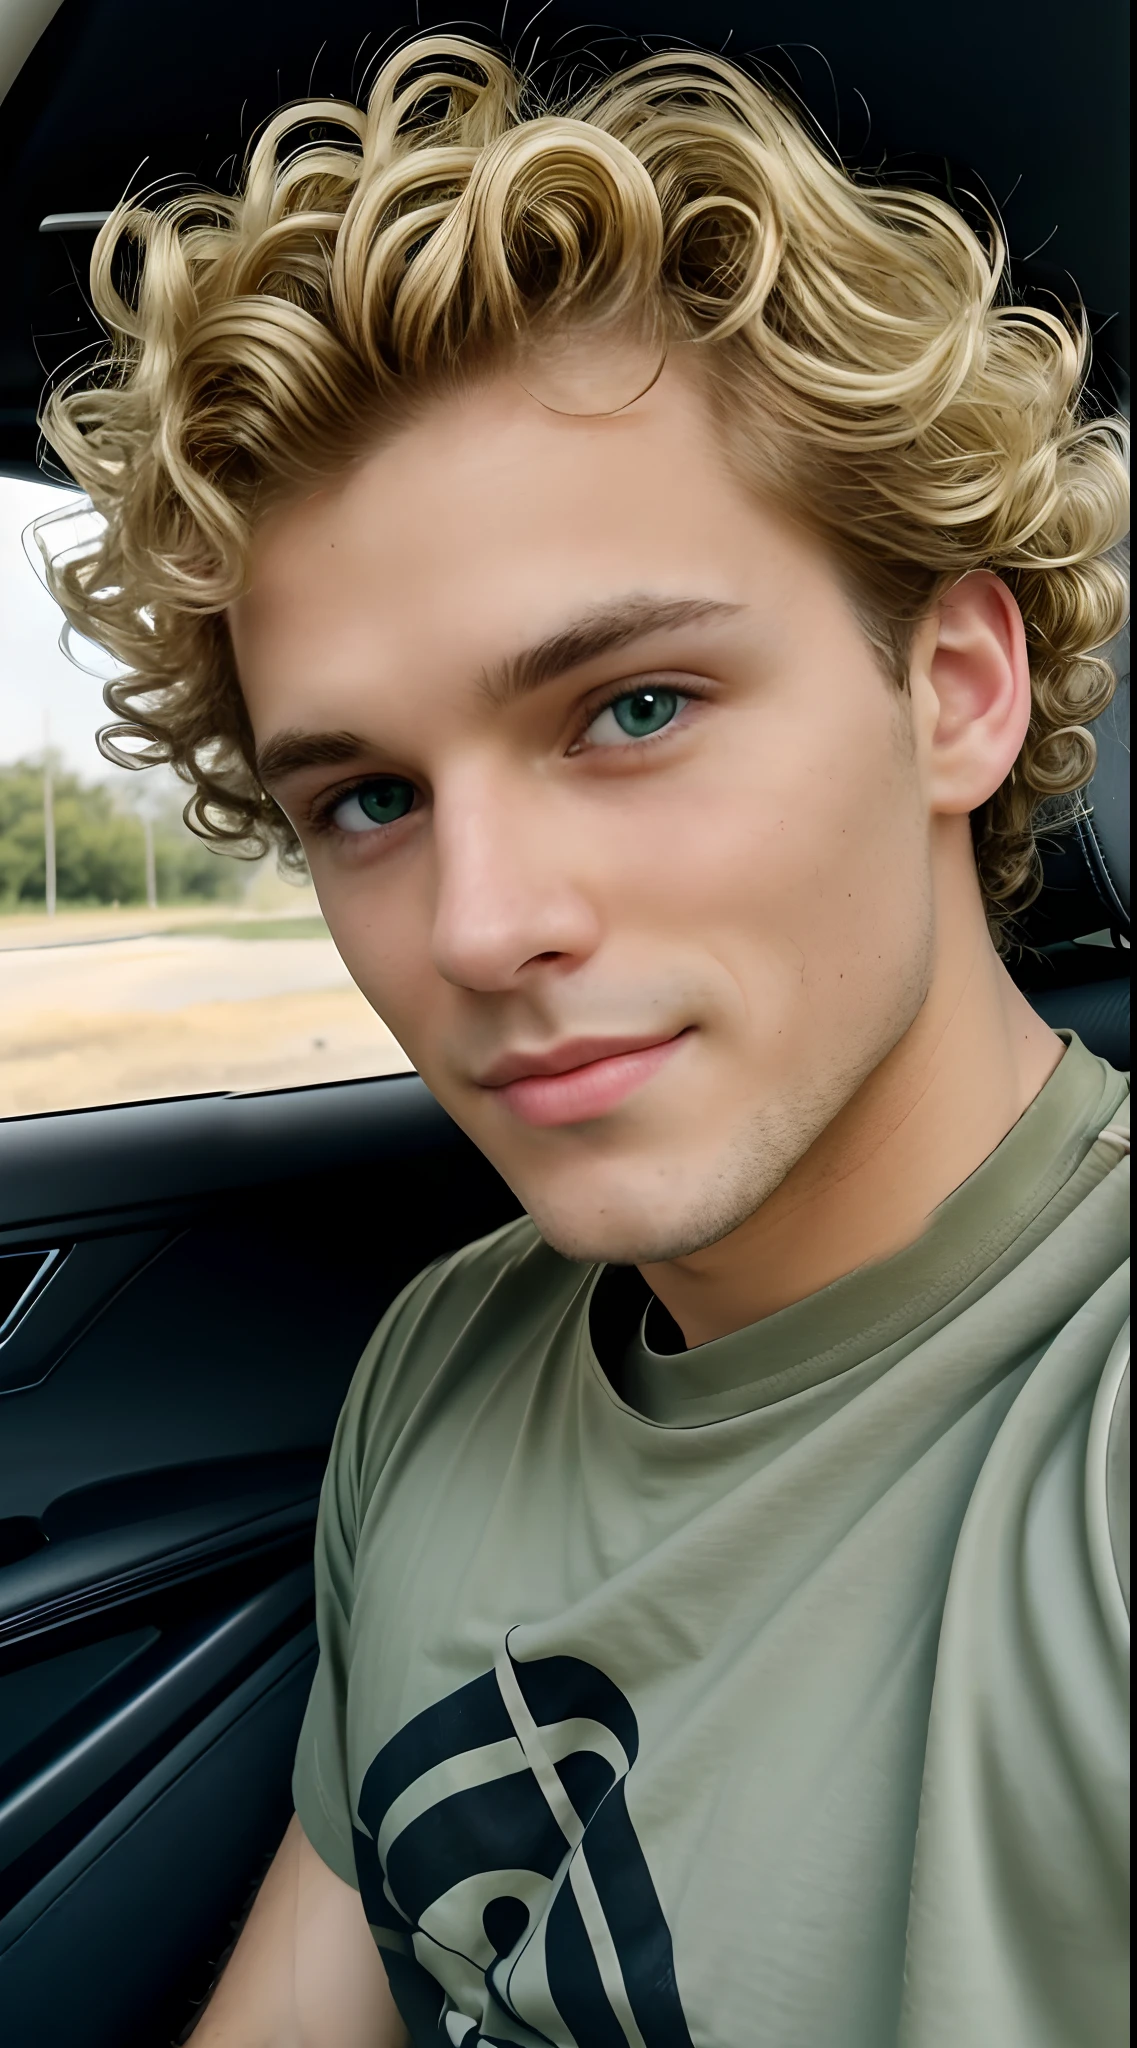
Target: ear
972, 654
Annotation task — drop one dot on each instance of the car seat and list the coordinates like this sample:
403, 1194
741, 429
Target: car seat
1071, 954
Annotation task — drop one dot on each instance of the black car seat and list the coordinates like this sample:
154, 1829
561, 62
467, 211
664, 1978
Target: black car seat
1072, 959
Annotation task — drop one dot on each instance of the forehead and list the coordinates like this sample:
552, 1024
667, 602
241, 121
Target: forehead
477, 527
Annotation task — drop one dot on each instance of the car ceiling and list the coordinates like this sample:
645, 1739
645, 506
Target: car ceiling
1024, 100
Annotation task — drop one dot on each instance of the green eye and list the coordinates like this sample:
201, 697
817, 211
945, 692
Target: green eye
634, 717
381, 802
645, 711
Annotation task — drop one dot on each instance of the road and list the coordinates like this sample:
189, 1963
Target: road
165, 972
127, 1019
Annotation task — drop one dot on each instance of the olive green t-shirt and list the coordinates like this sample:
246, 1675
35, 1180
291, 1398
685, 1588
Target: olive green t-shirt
767, 1695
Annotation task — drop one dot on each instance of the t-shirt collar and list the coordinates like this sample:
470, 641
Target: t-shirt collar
878, 1305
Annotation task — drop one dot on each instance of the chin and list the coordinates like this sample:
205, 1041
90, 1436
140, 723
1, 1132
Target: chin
615, 1222
625, 1242
673, 1187
673, 1200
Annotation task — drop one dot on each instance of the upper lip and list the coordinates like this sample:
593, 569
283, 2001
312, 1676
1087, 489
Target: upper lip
562, 1058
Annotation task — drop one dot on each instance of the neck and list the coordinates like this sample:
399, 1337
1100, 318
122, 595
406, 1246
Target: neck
972, 1061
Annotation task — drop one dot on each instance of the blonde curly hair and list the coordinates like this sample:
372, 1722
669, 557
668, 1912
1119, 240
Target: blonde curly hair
865, 361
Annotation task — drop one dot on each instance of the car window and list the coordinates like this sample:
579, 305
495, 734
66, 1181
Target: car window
135, 962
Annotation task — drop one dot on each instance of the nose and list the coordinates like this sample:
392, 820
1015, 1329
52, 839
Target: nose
507, 894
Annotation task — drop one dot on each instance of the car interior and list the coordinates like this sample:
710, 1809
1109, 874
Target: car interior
185, 1285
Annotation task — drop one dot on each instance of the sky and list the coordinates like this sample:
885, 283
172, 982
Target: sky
43, 693
36, 677
38, 681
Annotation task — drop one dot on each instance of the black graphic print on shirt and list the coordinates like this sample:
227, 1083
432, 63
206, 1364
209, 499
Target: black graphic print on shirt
494, 1828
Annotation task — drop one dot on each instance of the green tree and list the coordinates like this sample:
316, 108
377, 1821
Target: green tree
188, 872
99, 846
21, 833
186, 869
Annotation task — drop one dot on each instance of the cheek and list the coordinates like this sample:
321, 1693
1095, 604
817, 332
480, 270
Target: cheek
769, 826
802, 873
856, 889
383, 939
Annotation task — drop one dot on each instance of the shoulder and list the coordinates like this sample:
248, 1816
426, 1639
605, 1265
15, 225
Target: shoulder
504, 1279
1020, 1887
458, 1322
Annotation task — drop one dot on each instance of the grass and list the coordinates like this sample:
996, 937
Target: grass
250, 928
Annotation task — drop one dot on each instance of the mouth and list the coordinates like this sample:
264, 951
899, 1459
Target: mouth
579, 1080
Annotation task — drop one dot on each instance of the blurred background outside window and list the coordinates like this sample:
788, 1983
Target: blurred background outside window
135, 962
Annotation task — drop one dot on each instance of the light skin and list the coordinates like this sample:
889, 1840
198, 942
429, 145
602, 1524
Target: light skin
306, 1972
596, 772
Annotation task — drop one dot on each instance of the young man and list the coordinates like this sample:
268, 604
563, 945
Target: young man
654, 580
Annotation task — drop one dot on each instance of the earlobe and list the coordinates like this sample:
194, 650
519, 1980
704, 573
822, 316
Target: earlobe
979, 674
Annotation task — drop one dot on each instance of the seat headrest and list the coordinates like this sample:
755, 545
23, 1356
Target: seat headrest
1085, 867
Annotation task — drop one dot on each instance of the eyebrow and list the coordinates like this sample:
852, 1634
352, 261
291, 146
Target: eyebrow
598, 632
287, 751
585, 639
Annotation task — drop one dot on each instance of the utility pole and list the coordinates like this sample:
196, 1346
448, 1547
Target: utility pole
151, 871
48, 820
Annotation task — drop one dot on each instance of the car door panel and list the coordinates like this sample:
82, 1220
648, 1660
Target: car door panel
68, 1284
171, 1384
113, 1944
172, 1678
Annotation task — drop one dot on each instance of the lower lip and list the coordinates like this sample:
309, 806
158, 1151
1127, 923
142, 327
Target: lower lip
585, 1092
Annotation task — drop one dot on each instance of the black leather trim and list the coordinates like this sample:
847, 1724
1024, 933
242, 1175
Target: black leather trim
1097, 861
1104, 831
1086, 864
1098, 1013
